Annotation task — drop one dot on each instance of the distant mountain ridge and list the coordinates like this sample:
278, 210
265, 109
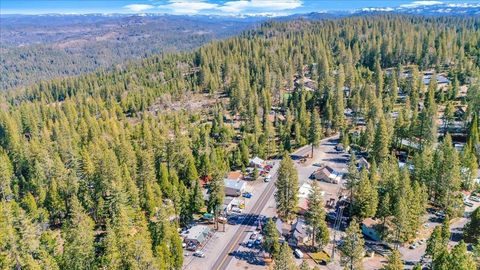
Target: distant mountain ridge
38, 47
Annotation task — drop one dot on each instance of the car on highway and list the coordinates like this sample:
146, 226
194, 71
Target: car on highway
199, 254
247, 195
236, 210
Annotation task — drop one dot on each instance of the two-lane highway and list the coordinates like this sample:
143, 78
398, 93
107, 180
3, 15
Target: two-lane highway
224, 258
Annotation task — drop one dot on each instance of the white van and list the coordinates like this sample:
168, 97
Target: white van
298, 253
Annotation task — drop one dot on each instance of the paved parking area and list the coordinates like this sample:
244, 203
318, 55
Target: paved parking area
413, 256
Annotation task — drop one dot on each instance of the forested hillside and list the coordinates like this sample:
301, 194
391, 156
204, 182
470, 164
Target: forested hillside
40, 47
94, 176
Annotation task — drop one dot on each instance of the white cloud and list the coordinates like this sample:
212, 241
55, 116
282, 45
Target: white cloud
386, 9
232, 7
139, 7
259, 5
188, 7
464, 5
417, 4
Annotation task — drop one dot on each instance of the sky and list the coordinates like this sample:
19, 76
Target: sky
209, 7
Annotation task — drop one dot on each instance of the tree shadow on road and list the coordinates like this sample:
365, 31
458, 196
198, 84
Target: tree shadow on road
251, 257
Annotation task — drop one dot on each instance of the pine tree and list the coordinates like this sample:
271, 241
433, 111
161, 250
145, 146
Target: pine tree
394, 261
315, 217
472, 229
366, 198
197, 202
284, 260
270, 243
435, 244
78, 250
315, 132
447, 177
352, 248
6, 174
217, 194
381, 142
286, 195
352, 178
460, 259
304, 265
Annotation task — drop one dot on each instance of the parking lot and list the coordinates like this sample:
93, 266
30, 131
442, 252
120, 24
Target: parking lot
411, 255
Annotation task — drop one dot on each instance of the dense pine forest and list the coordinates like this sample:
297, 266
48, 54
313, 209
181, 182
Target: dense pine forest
99, 172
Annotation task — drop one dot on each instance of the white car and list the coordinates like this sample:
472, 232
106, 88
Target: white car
199, 254
298, 253
267, 178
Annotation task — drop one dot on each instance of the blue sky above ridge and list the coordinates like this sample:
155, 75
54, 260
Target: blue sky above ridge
214, 7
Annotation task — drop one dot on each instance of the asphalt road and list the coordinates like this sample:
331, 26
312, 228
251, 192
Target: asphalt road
224, 258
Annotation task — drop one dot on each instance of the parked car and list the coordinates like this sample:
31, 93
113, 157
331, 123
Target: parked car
199, 254
298, 253
253, 236
191, 247
413, 246
467, 203
268, 167
267, 178
247, 195
474, 198
440, 214
250, 244
236, 210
